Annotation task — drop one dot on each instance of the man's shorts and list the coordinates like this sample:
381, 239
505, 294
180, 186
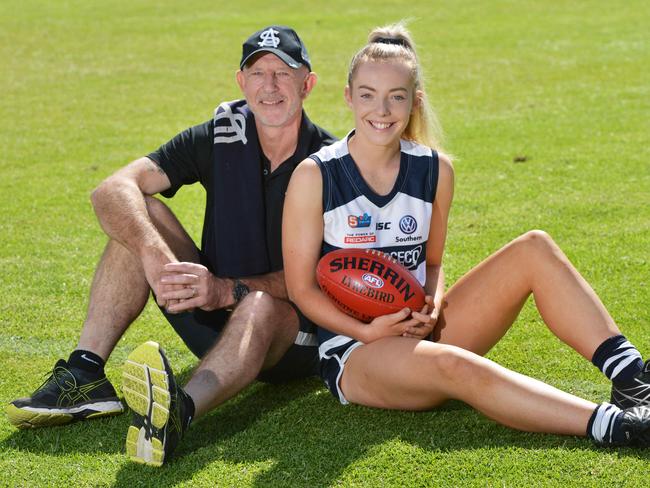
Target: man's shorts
200, 330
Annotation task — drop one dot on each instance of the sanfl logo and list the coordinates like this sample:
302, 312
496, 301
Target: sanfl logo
269, 38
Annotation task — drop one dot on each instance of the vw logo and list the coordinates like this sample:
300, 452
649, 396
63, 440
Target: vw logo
408, 224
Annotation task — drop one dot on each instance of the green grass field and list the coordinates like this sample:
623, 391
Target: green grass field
546, 106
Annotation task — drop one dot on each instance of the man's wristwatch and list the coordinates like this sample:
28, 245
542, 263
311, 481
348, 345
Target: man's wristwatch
239, 290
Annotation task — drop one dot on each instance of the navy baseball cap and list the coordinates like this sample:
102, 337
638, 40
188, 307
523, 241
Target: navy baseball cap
279, 40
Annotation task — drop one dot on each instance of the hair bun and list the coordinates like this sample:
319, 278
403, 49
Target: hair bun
391, 40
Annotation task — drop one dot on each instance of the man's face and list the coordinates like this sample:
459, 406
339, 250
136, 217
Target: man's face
273, 90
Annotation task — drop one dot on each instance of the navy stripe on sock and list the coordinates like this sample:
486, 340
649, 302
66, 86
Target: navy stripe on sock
618, 359
602, 423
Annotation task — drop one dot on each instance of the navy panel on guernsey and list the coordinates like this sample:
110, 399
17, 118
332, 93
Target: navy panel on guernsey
356, 217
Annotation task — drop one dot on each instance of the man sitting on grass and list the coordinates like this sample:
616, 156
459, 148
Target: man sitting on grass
231, 289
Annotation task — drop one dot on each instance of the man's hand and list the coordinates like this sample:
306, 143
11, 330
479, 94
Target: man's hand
191, 285
153, 263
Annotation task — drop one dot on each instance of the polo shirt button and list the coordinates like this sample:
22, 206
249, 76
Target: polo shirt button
266, 172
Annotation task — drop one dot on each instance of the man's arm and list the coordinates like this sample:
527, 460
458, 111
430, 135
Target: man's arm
272, 283
120, 206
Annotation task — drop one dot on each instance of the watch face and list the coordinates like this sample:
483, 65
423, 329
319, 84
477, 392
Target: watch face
240, 290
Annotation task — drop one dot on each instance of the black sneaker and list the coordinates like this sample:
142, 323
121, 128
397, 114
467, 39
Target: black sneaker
635, 394
68, 394
160, 416
635, 427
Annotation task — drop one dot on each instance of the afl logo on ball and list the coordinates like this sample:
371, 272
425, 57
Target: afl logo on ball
372, 280
408, 224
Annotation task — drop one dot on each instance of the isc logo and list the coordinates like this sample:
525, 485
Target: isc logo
382, 226
372, 280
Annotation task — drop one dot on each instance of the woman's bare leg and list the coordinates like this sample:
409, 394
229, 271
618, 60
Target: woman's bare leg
400, 373
483, 304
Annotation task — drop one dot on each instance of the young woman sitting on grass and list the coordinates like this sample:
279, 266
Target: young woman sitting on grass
389, 168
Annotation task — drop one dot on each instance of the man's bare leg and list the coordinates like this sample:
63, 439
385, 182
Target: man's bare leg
120, 290
118, 294
260, 330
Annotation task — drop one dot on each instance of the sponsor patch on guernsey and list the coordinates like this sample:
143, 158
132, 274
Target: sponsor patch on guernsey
359, 239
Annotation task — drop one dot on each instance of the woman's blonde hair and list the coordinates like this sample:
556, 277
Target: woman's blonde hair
394, 42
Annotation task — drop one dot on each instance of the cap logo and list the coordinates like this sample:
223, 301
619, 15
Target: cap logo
269, 38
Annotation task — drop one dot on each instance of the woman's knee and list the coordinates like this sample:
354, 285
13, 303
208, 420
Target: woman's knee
537, 237
451, 364
536, 242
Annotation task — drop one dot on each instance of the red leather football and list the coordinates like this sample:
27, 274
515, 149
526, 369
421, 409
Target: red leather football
367, 283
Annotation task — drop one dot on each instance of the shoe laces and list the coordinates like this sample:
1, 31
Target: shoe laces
61, 376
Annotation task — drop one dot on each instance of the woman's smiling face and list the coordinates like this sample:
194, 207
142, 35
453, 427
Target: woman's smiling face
381, 97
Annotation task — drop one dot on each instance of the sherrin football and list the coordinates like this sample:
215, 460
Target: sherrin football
367, 283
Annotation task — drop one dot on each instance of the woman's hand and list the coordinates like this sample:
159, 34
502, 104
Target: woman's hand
425, 321
394, 324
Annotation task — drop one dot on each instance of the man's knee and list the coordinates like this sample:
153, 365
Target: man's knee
255, 307
171, 230
156, 209
264, 314
262, 307
162, 216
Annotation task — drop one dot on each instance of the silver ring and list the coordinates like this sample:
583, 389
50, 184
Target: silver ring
193, 291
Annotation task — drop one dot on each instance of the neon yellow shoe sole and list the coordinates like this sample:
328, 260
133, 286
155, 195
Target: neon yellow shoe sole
145, 384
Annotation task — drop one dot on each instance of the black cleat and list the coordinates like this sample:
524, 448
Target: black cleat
635, 427
160, 416
68, 394
636, 393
